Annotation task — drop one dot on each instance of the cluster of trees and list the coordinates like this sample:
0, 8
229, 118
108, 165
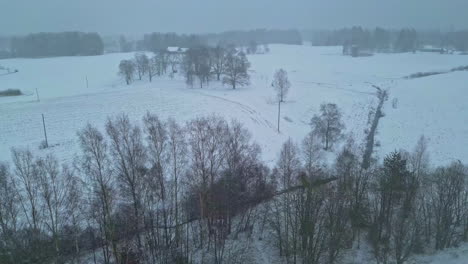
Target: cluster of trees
225, 64
57, 44
162, 192
403, 207
201, 64
142, 65
150, 194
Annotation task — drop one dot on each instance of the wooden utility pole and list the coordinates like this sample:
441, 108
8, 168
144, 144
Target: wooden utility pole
37, 95
279, 114
87, 86
45, 132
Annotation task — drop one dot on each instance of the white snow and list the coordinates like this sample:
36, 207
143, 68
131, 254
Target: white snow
434, 106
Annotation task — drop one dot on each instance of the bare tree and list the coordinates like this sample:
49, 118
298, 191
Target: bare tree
236, 70
203, 64
174, 62
127, 70
53, 187
128, 153
449, 202
9, 214
25, 171
328, 125
153, 67
188, 66
177, 165
197, 63
157, 142
205, 136
312, 154
393, 229
219, 60
95, 164
419, 159
241, 169
141, 62
281, 84
337, 223
287, 172
75, 209
163, 59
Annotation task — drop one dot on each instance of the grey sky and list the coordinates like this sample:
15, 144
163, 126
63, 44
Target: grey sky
187, 16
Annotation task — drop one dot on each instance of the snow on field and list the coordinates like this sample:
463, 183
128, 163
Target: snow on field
448, 256
434, 106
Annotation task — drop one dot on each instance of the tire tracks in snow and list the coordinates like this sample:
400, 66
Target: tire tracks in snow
335, 87
253, 114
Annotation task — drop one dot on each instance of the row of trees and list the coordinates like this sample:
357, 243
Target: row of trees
57, 44
162, 192
201, 64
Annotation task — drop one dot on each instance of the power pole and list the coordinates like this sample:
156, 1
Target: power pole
279, 114
87, 86
45, 132
37, 95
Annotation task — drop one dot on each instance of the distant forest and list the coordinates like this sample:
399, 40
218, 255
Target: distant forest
389, 40
84, 44
54, 44
375, 40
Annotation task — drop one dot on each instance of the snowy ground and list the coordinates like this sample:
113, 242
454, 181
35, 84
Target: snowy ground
434, 106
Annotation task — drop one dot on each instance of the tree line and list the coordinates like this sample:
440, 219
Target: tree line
388, 40
260, 36
158, 191
156, 41
200, 64
56, 44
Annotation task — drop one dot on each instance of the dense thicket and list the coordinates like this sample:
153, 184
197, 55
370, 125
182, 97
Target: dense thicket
57, 44
199, 65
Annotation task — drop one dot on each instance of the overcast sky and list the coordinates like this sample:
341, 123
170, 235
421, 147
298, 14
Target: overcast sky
201, 16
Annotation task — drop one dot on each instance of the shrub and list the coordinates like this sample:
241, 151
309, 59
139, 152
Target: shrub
11, 92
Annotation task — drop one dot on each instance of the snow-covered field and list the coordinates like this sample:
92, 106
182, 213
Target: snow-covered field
434, 106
